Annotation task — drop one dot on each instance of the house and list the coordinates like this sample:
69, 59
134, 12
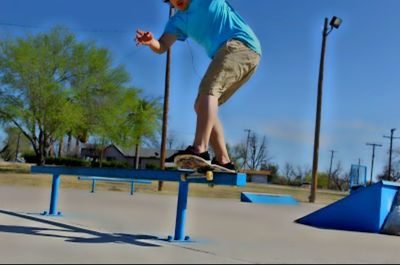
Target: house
258, 176
148, 157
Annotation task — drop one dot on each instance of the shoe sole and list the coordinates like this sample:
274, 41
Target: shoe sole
219, 168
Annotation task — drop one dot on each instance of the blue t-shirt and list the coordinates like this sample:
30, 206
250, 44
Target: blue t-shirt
211, 23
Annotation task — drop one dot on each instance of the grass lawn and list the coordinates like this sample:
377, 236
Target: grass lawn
19, 174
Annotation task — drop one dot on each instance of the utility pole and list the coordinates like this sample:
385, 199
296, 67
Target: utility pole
373, 157
335, 23
163, 152
389, 177
330, 168
247, 147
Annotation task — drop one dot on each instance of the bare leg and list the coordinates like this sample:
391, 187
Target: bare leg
209, 128
207, 109
217, 141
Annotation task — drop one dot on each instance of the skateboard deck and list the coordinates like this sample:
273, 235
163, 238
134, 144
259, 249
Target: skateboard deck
200, 167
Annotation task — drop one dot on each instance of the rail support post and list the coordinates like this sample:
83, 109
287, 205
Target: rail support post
132, 187
55, 187
181, 213
93, 186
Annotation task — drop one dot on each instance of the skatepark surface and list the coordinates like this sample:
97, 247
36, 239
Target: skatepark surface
115, 227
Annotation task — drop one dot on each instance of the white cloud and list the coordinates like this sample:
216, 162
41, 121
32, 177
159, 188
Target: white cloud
292, 131
357, 125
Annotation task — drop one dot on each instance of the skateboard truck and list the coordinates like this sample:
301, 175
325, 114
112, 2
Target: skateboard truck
197, 167
207, 174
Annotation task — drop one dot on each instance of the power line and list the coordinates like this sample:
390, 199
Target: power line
192, 57
122, 58
15, 25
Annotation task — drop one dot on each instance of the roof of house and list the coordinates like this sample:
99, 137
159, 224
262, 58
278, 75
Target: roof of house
257, 172
144, 152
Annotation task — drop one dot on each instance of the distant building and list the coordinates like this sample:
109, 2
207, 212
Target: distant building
258, 176
148, 157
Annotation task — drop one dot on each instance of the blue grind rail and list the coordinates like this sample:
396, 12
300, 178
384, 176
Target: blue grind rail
107, 179
238, 179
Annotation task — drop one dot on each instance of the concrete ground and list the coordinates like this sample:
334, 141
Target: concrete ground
115, 227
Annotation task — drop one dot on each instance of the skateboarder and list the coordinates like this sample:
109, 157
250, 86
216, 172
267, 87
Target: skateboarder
235, 52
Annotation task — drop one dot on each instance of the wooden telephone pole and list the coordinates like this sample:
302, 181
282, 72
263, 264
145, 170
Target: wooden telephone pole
335, 23
163, 152
391, 137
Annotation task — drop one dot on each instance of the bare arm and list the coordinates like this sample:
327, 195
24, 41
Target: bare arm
158, 46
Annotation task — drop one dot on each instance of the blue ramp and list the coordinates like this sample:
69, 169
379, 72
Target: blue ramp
365, 210
267, 198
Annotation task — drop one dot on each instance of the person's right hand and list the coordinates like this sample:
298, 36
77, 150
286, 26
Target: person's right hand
143, 38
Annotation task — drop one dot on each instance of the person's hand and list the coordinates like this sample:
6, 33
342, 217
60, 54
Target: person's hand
143, 38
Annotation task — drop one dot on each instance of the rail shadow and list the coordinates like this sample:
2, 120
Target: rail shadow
74, 234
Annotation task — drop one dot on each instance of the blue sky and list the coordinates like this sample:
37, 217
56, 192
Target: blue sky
361, 86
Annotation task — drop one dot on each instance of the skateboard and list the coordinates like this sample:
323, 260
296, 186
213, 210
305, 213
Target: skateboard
198, 167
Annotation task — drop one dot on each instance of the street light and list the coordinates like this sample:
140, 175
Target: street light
334, 23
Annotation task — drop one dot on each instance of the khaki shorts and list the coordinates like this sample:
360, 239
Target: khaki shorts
232, 66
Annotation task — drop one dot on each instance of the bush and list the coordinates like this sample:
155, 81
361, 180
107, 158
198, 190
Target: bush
73, 162
152, 166
30, 158
67, 161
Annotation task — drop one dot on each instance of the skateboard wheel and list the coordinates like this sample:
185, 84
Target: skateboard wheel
183, 177
209, 175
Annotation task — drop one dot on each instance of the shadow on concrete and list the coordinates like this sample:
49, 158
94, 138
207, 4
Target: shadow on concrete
67, 232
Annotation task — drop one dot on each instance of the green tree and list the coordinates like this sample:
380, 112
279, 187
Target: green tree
146, 123
322, 179
139, 120
14, 144
97, 91
52, 85
34, 95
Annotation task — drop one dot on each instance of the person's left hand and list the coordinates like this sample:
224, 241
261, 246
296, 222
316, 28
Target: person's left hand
143, 38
